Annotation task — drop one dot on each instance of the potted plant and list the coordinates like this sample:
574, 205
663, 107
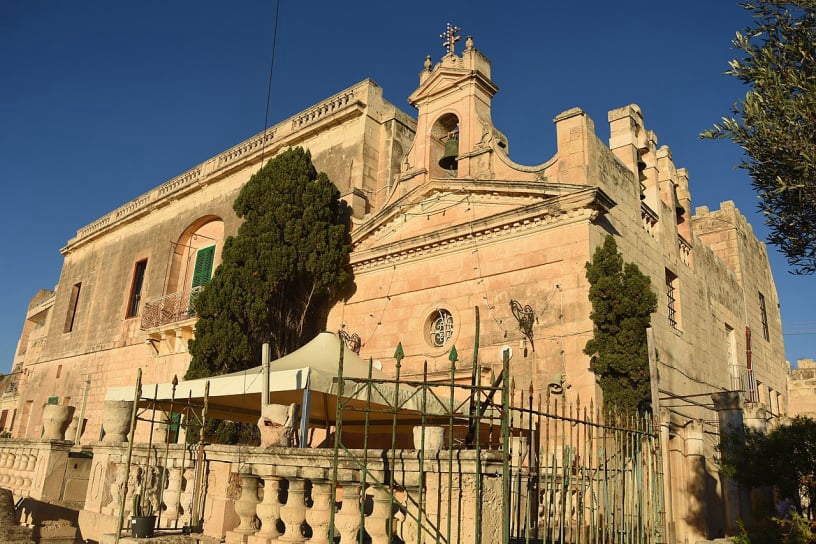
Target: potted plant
142, 522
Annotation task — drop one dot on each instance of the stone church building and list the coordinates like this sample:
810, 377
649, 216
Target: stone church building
444, 223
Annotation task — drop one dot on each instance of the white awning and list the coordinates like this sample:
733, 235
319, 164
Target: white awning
314, 368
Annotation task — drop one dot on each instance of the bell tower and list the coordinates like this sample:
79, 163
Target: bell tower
454, 127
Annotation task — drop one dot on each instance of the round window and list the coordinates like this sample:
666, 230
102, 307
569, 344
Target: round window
440, 327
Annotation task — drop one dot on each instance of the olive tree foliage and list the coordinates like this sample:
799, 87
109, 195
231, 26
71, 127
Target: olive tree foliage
622, 304
775, 124
280, 275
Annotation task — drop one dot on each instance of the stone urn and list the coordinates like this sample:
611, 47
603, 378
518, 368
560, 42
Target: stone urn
434, 438
55, 420
116, 420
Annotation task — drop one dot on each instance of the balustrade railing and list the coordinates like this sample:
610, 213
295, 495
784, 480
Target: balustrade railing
17, 466
172, 308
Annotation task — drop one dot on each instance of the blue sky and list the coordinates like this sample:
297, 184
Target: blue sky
101, 101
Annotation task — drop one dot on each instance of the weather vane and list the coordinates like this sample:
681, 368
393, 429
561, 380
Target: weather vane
450, 38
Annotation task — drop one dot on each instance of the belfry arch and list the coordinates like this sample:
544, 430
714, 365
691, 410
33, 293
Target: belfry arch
443, 132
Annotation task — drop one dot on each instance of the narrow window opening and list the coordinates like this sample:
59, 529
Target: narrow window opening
672, 300
763, 314
135, 297
70, 317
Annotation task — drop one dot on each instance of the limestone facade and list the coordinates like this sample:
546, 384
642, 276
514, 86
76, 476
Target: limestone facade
430, 246
802, 389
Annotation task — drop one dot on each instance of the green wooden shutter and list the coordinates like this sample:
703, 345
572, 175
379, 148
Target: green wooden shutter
203, 266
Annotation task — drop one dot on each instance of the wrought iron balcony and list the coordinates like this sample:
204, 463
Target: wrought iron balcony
169, 309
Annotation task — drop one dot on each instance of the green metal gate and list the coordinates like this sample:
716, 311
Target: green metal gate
490, 463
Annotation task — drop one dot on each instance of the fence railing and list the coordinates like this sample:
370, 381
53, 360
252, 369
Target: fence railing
416, 462
169, 309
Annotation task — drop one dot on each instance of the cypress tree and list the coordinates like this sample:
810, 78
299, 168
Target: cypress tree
622, 303
280, 275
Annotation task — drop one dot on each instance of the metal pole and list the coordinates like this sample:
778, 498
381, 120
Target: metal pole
338, 427
166, 447
136, 396
398, 355
473, 426
266, 359
505, 430
199, 473
82, 410
663, 430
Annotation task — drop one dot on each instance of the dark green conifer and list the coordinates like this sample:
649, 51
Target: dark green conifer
280, 275
622, 303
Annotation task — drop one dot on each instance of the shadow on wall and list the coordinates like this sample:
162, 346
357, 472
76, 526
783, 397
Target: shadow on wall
704, 516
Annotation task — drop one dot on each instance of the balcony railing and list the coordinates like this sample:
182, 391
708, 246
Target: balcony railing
172, 308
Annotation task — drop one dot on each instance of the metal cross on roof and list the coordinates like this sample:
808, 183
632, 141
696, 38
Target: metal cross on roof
450, 38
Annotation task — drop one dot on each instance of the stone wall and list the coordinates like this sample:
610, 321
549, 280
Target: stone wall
802, 389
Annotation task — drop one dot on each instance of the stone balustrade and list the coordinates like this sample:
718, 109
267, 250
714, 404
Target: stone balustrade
33, 468
17, 466
165, 484
285, 495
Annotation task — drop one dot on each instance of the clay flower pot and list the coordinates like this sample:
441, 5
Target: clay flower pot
55, 420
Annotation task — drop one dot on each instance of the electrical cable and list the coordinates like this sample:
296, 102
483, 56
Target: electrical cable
269, 84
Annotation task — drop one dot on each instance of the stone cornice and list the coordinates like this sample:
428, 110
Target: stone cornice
536, 189
335, 109
583, 205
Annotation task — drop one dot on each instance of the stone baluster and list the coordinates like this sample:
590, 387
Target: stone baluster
347, 520
188, 475
293, 513
4, 463
380, 524
28, 471
245, 508
172, 494
408, 528
319, 515
17, 468
269, 509
32, 462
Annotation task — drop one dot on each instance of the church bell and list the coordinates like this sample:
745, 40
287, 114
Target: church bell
448, 160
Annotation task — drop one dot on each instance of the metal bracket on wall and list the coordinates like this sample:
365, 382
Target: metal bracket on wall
525, 317
352, 340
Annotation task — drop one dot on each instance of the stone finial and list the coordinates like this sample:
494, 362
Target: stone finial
449, 38
469, 43
428, 63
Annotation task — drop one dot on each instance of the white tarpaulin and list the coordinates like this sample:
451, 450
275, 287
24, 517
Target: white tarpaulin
308, 377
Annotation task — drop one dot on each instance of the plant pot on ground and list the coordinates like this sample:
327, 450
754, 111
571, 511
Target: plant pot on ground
142, 521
